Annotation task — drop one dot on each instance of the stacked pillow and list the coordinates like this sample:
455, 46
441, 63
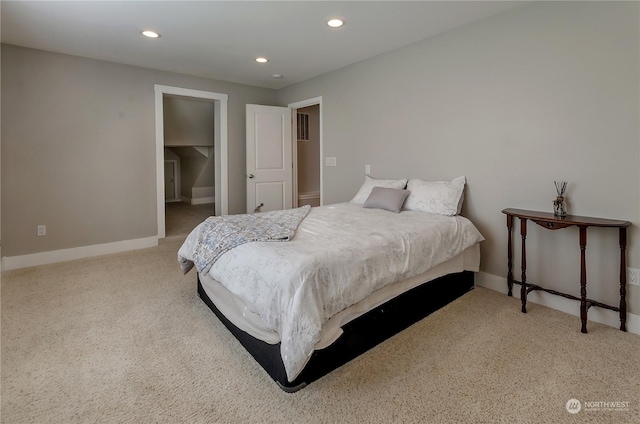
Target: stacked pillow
370, 183
439, 197
390, 199
381, 194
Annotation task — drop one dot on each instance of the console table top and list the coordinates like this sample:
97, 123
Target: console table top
566, 220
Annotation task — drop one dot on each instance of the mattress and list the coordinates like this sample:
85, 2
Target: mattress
236, 311
360, 335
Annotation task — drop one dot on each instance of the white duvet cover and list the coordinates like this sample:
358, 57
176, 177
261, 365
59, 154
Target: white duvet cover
340, 254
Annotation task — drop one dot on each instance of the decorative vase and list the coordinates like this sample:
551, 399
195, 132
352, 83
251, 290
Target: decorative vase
559, 204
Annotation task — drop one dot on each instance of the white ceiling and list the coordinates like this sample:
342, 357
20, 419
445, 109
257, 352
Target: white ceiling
221, 39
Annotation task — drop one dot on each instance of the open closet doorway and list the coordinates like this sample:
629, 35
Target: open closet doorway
189, 163
307, 145
191, 142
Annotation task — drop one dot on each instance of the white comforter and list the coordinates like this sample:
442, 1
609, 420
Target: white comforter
340, 254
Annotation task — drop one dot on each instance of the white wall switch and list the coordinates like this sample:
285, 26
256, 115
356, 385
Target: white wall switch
329, 161
367, 169
42, 230
633, 276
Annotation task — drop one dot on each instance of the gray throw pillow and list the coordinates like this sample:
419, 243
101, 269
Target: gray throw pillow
390, 199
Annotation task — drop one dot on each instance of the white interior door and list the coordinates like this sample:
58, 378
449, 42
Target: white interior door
169, 180
269, 158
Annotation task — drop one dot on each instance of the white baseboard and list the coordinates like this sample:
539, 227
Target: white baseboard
202, 200
309, 195
198, 200
43, 258
559, 303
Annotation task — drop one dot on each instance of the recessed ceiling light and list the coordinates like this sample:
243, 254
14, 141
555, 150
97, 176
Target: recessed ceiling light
150, 34
335, 23
262, 59
277, 76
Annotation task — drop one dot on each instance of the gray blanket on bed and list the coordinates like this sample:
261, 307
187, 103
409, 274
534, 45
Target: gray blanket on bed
219, 234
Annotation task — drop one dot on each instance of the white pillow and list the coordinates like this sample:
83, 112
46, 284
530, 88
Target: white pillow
441, 197
370, 183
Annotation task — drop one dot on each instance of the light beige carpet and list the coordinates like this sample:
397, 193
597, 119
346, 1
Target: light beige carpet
124, 339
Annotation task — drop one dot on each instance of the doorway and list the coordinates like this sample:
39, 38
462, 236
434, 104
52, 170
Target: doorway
307, 168
218, 150
307, 140
189, 163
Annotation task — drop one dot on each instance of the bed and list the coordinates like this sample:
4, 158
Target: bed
353, 275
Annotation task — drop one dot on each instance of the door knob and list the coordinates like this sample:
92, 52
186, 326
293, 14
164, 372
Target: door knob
250, 175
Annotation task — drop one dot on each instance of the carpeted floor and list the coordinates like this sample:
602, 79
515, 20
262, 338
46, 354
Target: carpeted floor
124, 339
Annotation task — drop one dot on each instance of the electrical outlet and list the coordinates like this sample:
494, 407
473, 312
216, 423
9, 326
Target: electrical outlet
633, 276
367, 169
42, 230
329, 161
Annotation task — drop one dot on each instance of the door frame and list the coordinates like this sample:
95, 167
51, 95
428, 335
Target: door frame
176, 182
220, 143
298, 105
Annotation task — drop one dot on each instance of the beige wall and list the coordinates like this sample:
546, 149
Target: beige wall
207, 177
196, 172
78, 148
544, 92
187, 122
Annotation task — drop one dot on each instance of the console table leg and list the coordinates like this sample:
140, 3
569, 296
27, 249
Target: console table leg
583, 278
623, 279
509, 255
523, 287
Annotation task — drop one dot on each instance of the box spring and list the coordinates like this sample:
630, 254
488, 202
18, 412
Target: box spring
359, 335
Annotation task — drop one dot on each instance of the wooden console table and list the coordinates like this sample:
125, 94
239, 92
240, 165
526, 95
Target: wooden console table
552, 222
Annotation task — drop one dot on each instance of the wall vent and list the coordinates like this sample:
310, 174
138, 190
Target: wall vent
303, 127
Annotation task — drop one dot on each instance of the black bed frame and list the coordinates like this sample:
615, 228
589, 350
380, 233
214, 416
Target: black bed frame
359, 335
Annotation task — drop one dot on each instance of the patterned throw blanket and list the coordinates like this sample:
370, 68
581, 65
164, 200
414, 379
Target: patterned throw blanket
219, 234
